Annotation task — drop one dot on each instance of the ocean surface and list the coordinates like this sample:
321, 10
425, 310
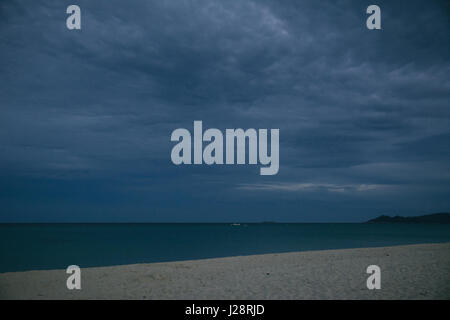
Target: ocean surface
56, 246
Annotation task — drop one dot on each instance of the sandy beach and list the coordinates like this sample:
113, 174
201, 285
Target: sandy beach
407, 272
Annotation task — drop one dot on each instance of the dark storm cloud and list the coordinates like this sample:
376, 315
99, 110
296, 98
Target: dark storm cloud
86, 115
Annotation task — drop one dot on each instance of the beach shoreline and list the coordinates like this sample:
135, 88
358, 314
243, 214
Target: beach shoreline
407, 272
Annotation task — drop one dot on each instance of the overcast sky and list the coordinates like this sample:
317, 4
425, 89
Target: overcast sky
86, 115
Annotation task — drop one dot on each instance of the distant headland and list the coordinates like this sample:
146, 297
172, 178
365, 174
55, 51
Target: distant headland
428, 218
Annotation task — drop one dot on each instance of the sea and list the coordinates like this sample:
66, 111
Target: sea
55, 246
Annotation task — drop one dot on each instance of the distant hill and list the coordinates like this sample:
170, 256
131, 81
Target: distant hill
428, 218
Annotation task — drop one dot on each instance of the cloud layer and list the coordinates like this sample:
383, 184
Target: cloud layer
86, 115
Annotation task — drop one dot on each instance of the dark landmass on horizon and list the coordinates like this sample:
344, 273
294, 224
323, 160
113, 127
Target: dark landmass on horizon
428, 218
443, 217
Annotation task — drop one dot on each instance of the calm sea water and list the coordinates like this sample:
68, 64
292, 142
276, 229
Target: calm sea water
51, 246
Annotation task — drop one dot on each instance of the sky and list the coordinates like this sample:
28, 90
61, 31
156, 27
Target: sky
86, 115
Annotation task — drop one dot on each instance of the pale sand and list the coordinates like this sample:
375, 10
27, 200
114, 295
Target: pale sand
407, 272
